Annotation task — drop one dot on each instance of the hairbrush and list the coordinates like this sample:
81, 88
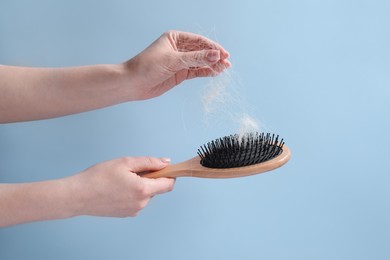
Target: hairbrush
231, 156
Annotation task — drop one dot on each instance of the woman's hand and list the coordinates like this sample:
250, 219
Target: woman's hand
114, 189
171, 59
110, 188
38, 93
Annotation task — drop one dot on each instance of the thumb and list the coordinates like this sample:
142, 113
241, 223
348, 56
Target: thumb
143, 164
199, 58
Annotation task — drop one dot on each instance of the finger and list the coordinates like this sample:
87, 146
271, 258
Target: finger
226, 63
158, 186
192, 42
146, 163
202, 72
212, 71
221, 66
199, 58
224, 54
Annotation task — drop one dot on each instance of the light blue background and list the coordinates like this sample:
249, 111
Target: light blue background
316, 72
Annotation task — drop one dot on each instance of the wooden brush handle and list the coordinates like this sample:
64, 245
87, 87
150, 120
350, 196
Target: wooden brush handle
193, 168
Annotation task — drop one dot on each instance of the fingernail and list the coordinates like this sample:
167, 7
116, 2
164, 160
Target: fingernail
213, 56
165, 160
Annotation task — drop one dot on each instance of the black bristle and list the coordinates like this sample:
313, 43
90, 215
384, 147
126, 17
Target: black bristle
238, 151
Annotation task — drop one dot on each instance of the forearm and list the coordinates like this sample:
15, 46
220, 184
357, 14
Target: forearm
112, 189
28, 202
39, 93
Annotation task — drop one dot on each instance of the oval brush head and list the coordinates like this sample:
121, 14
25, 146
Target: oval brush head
231, 157
238, 151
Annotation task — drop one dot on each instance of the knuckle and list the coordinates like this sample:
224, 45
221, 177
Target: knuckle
138, 206
144, 203
126, 160
141, 190
199, 57
150, 160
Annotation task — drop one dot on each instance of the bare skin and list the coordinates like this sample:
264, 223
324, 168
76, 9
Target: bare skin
111, 188
39, 93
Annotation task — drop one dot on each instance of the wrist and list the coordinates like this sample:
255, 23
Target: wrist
73, 197
134, 75
123, 82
